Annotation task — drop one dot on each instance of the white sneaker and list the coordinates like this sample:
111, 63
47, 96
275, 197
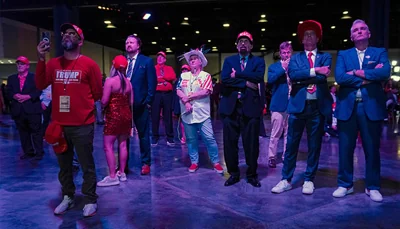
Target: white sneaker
375, 195
121, 176
282, 186
341, 192
108, 181
89, 210
66, 204
308, 187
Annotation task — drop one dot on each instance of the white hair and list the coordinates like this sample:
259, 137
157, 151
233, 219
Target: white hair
356, 22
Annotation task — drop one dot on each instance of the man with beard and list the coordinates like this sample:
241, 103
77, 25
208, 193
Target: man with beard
309, 104
142, 74
241, 108
76, 84
360, 107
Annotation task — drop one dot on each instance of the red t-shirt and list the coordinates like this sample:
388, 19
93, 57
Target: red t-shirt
165, 77
80, 79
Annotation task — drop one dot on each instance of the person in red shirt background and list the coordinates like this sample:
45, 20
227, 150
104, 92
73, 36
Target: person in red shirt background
163, 99
76, 83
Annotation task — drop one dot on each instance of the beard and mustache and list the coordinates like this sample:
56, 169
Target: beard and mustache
68, 45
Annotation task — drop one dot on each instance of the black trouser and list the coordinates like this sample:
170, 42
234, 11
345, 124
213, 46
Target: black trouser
29, 128
141, 119
262, 127
162, 100
80, 138
235, 125
46, 118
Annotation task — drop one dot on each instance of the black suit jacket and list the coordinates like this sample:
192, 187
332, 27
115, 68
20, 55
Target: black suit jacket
31, 106
251, 99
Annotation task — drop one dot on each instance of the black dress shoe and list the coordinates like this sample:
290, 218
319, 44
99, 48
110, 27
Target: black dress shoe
232, 180
26, 156
254, 182
38, 157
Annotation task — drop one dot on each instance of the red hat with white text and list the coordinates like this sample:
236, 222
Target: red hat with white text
245, 34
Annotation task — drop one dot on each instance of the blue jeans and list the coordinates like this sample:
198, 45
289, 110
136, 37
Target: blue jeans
207, 135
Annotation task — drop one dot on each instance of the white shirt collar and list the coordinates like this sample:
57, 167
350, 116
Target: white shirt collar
314, 52
359, 51
135, 56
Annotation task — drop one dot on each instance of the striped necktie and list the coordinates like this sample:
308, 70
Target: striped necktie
130, 68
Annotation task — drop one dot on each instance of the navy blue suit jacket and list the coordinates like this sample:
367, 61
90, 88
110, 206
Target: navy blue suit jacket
280, 89
299, 74
254, 72
31, 106
144, 81
373, 95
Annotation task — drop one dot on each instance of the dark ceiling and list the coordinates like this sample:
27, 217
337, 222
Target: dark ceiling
207, 17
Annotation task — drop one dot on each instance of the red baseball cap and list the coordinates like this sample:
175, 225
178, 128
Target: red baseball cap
78, 30
120, 62
185, 66
309, 25
162, 54
54, 136
245, 34
23, 59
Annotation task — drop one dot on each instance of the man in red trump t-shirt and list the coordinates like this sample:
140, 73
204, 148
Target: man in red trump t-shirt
76, 82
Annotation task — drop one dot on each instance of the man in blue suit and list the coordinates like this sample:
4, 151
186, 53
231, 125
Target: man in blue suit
26, 109
309, 104
241, 108
360, 107
142, 74
279, 79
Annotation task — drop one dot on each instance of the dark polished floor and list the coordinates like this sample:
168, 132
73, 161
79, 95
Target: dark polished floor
173, 198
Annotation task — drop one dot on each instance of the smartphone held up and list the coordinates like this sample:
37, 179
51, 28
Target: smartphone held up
46, 41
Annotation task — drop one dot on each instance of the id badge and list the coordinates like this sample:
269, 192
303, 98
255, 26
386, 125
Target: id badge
65, 103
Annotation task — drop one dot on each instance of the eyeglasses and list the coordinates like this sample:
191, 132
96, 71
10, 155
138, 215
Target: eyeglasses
244, 41
71, 34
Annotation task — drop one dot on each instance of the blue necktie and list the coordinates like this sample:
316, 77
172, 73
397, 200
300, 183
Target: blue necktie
130, 69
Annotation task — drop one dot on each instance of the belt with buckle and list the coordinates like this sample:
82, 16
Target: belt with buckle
359, 99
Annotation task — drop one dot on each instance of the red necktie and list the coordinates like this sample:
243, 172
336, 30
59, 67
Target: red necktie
242, 64
312, 87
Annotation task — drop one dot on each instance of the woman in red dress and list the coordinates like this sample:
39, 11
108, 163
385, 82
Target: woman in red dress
117, 99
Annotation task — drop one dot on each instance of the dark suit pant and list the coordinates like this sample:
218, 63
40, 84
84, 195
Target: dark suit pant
46, 118
162, 100
141, 118
313, 121
79, 138
370, 132
30, 127
235, 125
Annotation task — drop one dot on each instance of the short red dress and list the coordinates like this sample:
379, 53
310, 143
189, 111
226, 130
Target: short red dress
118, 115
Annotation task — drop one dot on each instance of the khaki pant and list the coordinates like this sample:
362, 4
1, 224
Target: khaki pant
279, 121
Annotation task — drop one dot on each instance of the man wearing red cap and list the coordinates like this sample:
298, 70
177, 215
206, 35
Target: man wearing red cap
163, 99
26, 109
241, 108
309, 104
360, 108
76, 82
